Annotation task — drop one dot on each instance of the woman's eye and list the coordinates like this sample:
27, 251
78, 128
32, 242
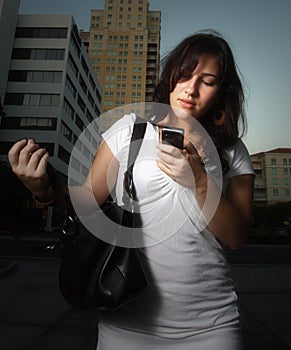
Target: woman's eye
208, 83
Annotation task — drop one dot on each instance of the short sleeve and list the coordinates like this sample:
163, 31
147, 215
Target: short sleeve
239, 161
118, 135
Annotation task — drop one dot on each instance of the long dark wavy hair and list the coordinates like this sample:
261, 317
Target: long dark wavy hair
184, 59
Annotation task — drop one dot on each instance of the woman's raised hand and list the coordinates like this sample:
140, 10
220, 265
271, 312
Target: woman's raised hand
29, 163
185, 167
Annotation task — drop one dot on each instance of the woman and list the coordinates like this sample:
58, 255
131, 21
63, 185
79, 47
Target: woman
189, 302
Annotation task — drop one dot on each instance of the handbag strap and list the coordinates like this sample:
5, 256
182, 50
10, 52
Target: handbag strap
138, 132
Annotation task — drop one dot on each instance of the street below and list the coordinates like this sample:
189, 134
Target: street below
34, 316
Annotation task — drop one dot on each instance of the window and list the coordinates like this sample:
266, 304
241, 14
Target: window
274, 170
73, 66
79, 123
39, 54
14, 99
63, 155
33, 99
66, 131
287, 193
68, 109
45, 100
43, 32
70, 86
42, 123
275, 181
83, 84
275, 193
81, 103
84, 65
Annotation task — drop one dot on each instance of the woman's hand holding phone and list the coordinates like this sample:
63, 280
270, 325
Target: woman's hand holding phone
178, 158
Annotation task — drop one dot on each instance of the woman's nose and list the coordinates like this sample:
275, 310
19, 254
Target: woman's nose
192, 88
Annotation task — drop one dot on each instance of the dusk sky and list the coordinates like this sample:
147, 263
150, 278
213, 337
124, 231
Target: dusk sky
259, 33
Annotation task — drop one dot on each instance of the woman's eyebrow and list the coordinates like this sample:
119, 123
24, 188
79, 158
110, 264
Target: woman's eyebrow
209, 74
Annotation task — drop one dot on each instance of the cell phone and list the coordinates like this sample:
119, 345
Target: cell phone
173, 136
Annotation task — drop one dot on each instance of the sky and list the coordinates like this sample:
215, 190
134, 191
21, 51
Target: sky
259, 33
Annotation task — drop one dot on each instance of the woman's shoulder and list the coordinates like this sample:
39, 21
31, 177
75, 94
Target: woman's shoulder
123, 124
238, 159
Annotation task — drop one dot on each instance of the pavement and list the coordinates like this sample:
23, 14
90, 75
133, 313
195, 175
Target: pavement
33, 315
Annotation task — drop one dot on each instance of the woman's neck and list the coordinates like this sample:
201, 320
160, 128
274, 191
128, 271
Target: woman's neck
172, 120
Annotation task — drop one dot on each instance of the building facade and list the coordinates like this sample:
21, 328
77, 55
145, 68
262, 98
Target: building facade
273, 176
52, 92
124, 49
8, 19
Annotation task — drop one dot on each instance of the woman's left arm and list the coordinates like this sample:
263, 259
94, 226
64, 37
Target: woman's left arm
233, 217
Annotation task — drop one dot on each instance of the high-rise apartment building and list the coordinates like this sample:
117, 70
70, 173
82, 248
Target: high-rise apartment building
52, 92
124, 49
273, 176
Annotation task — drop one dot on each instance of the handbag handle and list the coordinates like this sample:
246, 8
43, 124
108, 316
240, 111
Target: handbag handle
138, 132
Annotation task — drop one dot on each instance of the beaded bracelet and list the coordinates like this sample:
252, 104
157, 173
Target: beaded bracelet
42, 203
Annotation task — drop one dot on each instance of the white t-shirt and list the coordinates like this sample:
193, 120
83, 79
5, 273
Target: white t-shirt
189, 288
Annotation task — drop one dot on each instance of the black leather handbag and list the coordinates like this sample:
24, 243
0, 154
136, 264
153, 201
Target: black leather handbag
95, 274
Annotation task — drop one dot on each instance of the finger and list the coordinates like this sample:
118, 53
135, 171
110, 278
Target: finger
43, 162
167, 170
13, 154
26, 153
36, 158
167, 158
169, 149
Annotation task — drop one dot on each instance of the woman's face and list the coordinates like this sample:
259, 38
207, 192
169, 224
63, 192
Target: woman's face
196, 93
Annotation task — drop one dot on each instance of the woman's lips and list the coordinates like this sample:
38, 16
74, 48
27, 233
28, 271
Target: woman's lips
186, 103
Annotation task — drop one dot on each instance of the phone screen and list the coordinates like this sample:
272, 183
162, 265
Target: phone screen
173, 136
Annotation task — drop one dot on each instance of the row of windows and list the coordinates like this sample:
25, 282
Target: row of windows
123, 77
29, 32
286, 181
35, 76
51, 100
119, 61
6, 146
285, 161
276, 192
69, 110
121, 9
122, 69
33, 123
63, 154
82, 83
128, 1
111, 93
121, 16
115, 53
122, 86
38, 54
286, 171
120, 25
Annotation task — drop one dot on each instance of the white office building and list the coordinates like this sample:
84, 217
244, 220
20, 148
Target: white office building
51, 91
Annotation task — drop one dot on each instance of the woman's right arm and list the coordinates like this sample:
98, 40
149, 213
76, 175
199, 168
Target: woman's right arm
29, 163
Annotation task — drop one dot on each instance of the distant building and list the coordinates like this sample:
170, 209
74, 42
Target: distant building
124, 48
273, 176
52, 92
